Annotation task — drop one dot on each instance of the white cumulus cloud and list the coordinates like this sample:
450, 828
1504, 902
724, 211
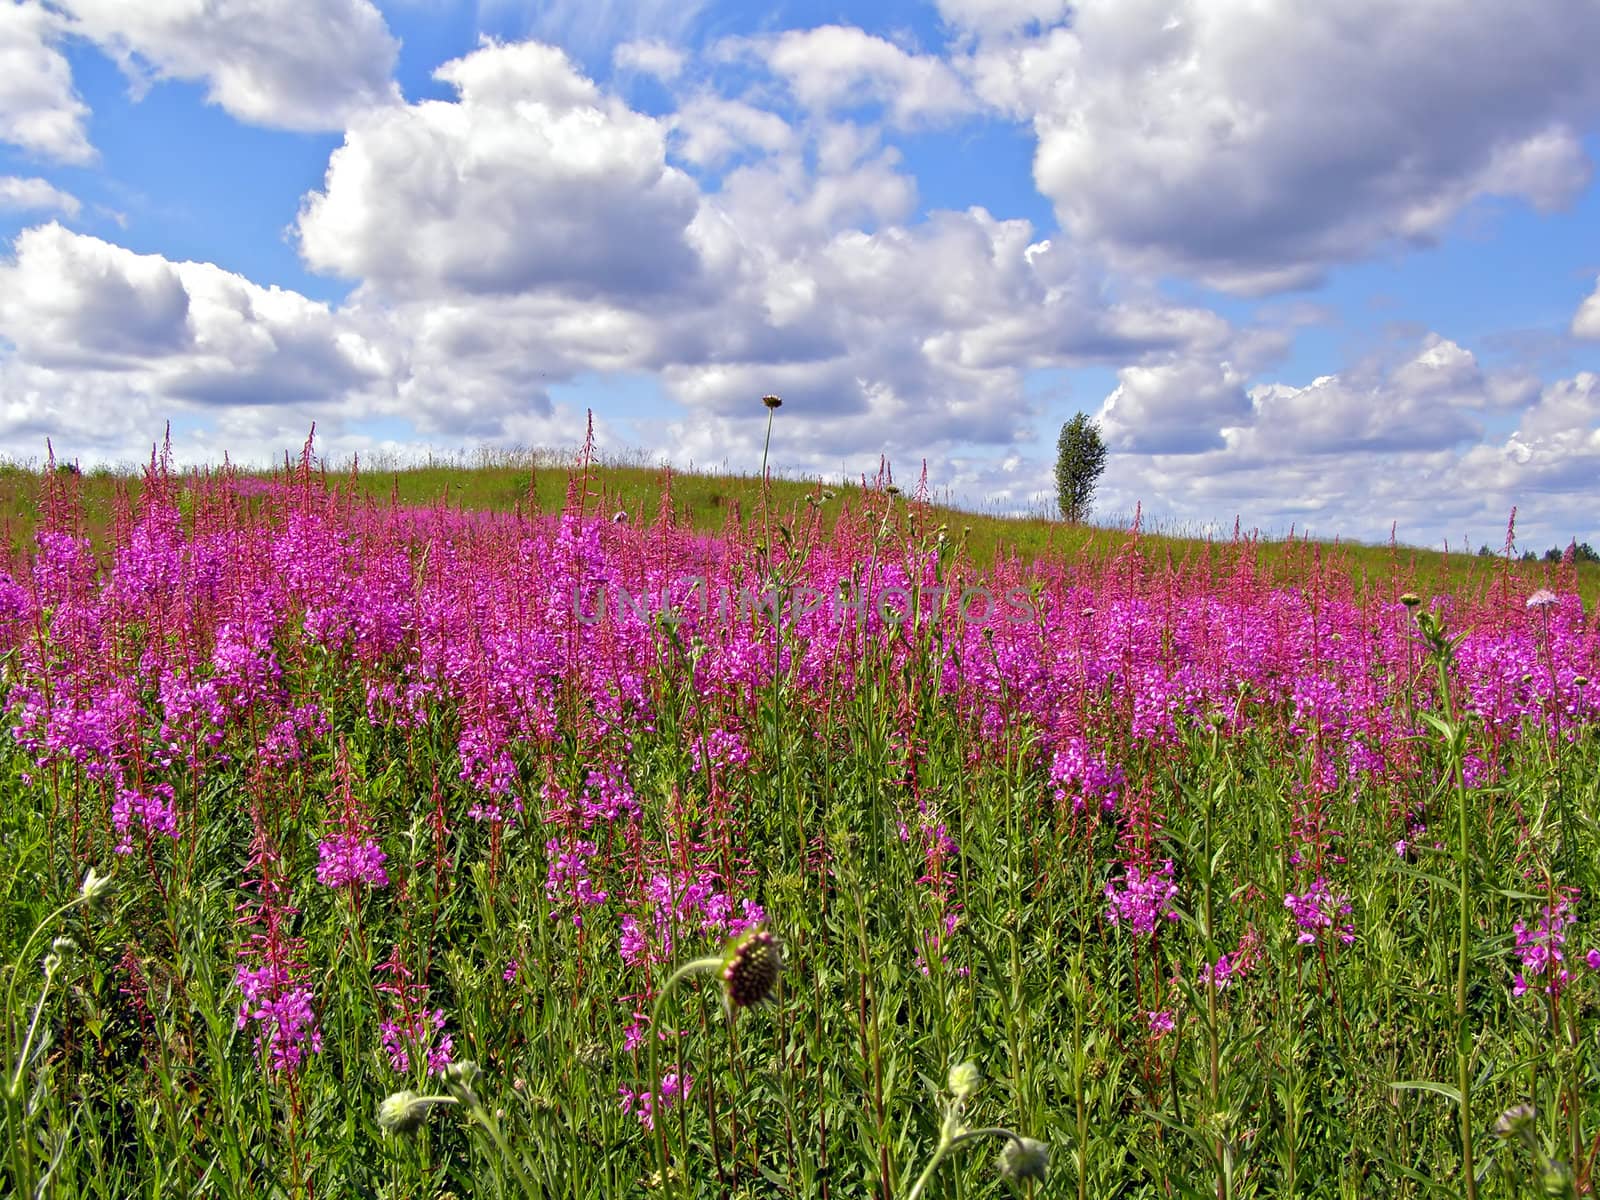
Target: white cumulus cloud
126, 338
836, 67
532, 178
1586, 321
39, 111
35, 195
290, 64
1252, 145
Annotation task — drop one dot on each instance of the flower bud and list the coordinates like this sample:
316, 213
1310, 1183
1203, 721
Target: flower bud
964, 1079
95, 887
1515, 1122
404, 1111
461, 1078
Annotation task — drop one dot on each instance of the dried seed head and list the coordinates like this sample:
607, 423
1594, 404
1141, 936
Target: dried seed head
1024, 1158
751, 967
772, 402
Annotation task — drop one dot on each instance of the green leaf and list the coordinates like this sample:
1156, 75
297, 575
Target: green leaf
1428, 1085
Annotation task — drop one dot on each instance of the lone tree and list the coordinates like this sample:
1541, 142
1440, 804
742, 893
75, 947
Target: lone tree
1080, 457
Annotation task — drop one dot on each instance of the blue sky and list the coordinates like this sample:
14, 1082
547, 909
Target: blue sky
1334, 268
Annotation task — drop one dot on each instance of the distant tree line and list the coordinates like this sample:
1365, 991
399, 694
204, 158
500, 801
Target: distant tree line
1581, 552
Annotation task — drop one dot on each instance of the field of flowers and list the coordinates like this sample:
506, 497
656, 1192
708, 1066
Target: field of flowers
348, 849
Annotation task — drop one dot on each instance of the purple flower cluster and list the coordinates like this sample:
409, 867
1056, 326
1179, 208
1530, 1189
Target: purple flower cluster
203, 654
1229, 968
1319, 908
420, 1031
350, 855
567, 882
151, 809
679, 901
274, 990
1540, 952
674, 1089
1140, 902
350, 858
413, 1031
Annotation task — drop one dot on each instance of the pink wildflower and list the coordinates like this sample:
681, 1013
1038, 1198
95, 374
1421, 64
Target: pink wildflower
1539, 950
1319, 908
1142, 900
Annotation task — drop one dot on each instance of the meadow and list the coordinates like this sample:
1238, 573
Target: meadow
357, 833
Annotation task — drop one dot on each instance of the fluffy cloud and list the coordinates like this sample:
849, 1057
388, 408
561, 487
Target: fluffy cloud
1552, 458
1422, 404
35, 195
649, 57
1586, 321
133, 334
290, 64
39, 111
709, 131
531, 179
107, 345
911, 340
837, 67
1174, 407
1251, 146
535, 229
1402, 442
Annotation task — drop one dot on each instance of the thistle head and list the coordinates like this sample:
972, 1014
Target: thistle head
750, 968
772, 401
1411, 599
1024, 1158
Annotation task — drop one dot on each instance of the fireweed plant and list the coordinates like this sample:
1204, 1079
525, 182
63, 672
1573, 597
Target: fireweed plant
1235, 888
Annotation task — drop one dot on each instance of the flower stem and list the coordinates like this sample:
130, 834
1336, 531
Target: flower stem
949, 1143
697, 967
